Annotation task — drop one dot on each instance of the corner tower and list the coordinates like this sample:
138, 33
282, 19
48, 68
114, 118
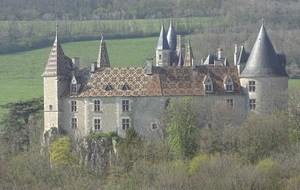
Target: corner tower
56, 80
264, 79
172, 42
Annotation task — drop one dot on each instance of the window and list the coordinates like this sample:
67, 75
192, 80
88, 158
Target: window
73, 87
97, 105
154, 126
97, 124
252, 104
251, 86
125, 105
229, 88
208, 85
50, 107
229, 102
125, 124
159, 56
74, 123
73, 106
228, 85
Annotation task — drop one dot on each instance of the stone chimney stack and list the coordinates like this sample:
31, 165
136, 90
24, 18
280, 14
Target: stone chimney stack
235, 55
93, 67
220, 51
149, 66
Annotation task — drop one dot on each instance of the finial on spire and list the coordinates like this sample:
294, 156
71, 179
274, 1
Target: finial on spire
262, 20
56, 30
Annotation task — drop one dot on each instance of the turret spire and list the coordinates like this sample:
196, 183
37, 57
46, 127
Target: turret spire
103, 59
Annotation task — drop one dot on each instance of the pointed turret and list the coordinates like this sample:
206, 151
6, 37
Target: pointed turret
162, 50
58, 64
263, 60
171, 37
189, 56
162, 40
103, 59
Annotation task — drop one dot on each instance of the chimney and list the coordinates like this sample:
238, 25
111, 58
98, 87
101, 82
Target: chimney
235, 55
149, 67
75, 61
220, 50
93, 67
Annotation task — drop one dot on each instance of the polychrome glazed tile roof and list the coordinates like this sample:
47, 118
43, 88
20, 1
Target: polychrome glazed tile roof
165, 81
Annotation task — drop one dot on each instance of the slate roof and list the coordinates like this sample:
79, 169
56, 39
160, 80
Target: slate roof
162, 40
171, 37
263, 60
165, 81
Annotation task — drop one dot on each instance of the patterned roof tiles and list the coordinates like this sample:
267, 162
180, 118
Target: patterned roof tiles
165, 81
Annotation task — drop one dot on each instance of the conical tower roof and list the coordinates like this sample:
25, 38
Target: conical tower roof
263, 60
171, 37
162, 40
58, 64
103, 59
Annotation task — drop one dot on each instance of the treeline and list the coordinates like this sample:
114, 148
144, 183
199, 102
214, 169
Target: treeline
210, 149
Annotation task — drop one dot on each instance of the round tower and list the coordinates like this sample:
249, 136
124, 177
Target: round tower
264, 79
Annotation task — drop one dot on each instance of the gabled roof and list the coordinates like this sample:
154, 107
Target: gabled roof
58, 64
103, 59
171, 37
165, 81
263, 60
162, 40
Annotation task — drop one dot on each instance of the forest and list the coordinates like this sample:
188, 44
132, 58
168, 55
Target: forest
209, 149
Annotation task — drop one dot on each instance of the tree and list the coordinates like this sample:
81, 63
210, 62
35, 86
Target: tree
260, 135
129, 148
181, 127
16, 122
61, 154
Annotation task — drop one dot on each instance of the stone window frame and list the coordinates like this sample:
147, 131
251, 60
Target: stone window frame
125, 123
229, 85
97, 105
74, 106
208, 85
97, 124
251, 86
125, 105
252, 104
74, 122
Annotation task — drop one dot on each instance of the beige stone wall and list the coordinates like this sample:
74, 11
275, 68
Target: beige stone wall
270, 93
143, 113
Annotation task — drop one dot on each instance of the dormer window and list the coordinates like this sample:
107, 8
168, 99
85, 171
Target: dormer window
208, 85
125, 87
108, 87
228, 84
74, 86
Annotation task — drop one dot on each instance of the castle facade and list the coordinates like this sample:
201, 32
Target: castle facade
103, 98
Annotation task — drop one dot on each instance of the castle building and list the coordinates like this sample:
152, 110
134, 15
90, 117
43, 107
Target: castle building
104, 99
